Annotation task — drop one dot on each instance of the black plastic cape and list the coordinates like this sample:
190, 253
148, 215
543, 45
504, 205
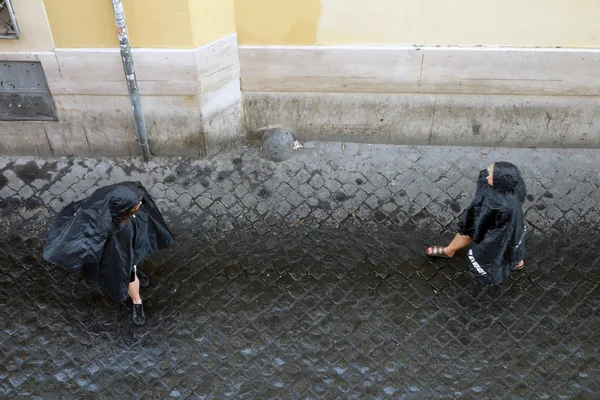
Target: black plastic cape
89, 238
494, 221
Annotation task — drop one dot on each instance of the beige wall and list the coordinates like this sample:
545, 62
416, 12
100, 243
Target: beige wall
518, 23
33, 24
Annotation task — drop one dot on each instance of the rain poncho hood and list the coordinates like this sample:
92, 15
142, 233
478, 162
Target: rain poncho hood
88, 236
494, 221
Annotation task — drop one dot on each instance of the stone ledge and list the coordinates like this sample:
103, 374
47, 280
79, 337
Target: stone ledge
377, 69
430, 119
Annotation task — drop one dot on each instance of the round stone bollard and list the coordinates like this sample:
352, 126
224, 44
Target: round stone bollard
277, 144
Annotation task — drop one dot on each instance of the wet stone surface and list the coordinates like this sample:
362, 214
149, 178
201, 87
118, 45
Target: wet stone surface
307, 279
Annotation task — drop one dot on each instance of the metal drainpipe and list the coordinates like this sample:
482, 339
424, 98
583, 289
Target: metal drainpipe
134, 96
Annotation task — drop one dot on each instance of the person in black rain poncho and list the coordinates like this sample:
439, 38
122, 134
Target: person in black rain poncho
494, 224
106, 236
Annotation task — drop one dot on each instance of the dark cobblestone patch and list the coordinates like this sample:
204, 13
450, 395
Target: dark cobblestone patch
279, 287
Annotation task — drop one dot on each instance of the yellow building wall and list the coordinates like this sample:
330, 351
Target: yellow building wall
211, 20
34, 28
90, 23
277, 22
518, 23
151, 23
46, 24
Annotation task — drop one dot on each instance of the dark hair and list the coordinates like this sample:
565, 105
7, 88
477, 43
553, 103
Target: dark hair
506, 177
129, 213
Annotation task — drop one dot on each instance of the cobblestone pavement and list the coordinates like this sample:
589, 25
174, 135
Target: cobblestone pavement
307, 279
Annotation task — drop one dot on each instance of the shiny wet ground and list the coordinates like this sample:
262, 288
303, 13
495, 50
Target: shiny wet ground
346, 314
307, 279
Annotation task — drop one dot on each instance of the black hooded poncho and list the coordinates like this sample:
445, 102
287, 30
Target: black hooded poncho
89, 238
494, 221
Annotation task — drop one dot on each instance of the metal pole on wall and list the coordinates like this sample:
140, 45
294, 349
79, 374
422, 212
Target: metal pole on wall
134, 96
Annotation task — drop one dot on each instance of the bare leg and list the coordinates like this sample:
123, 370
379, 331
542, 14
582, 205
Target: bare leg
134, 291
459, 242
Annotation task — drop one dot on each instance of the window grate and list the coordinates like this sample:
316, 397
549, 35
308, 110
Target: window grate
8, 22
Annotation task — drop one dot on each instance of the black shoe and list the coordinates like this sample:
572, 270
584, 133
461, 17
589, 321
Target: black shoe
143, 278
138, 318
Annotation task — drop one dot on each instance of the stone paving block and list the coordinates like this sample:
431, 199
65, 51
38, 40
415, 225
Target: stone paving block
413, 191
58, 188
240, 191
333, 186
216, 192
82, 186
360, 196
302, 211
184, 201
317, 181
284, 189
305, 190
323, 194
6, 193
350, 206
12, 180
70, 179
69, 196
372, 201
249, 200
383, 193
350, 189
313, 202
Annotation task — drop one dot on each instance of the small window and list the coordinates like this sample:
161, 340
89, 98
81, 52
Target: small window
8, 22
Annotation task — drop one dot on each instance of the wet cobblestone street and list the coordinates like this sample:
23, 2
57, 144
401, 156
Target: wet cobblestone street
308, 280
